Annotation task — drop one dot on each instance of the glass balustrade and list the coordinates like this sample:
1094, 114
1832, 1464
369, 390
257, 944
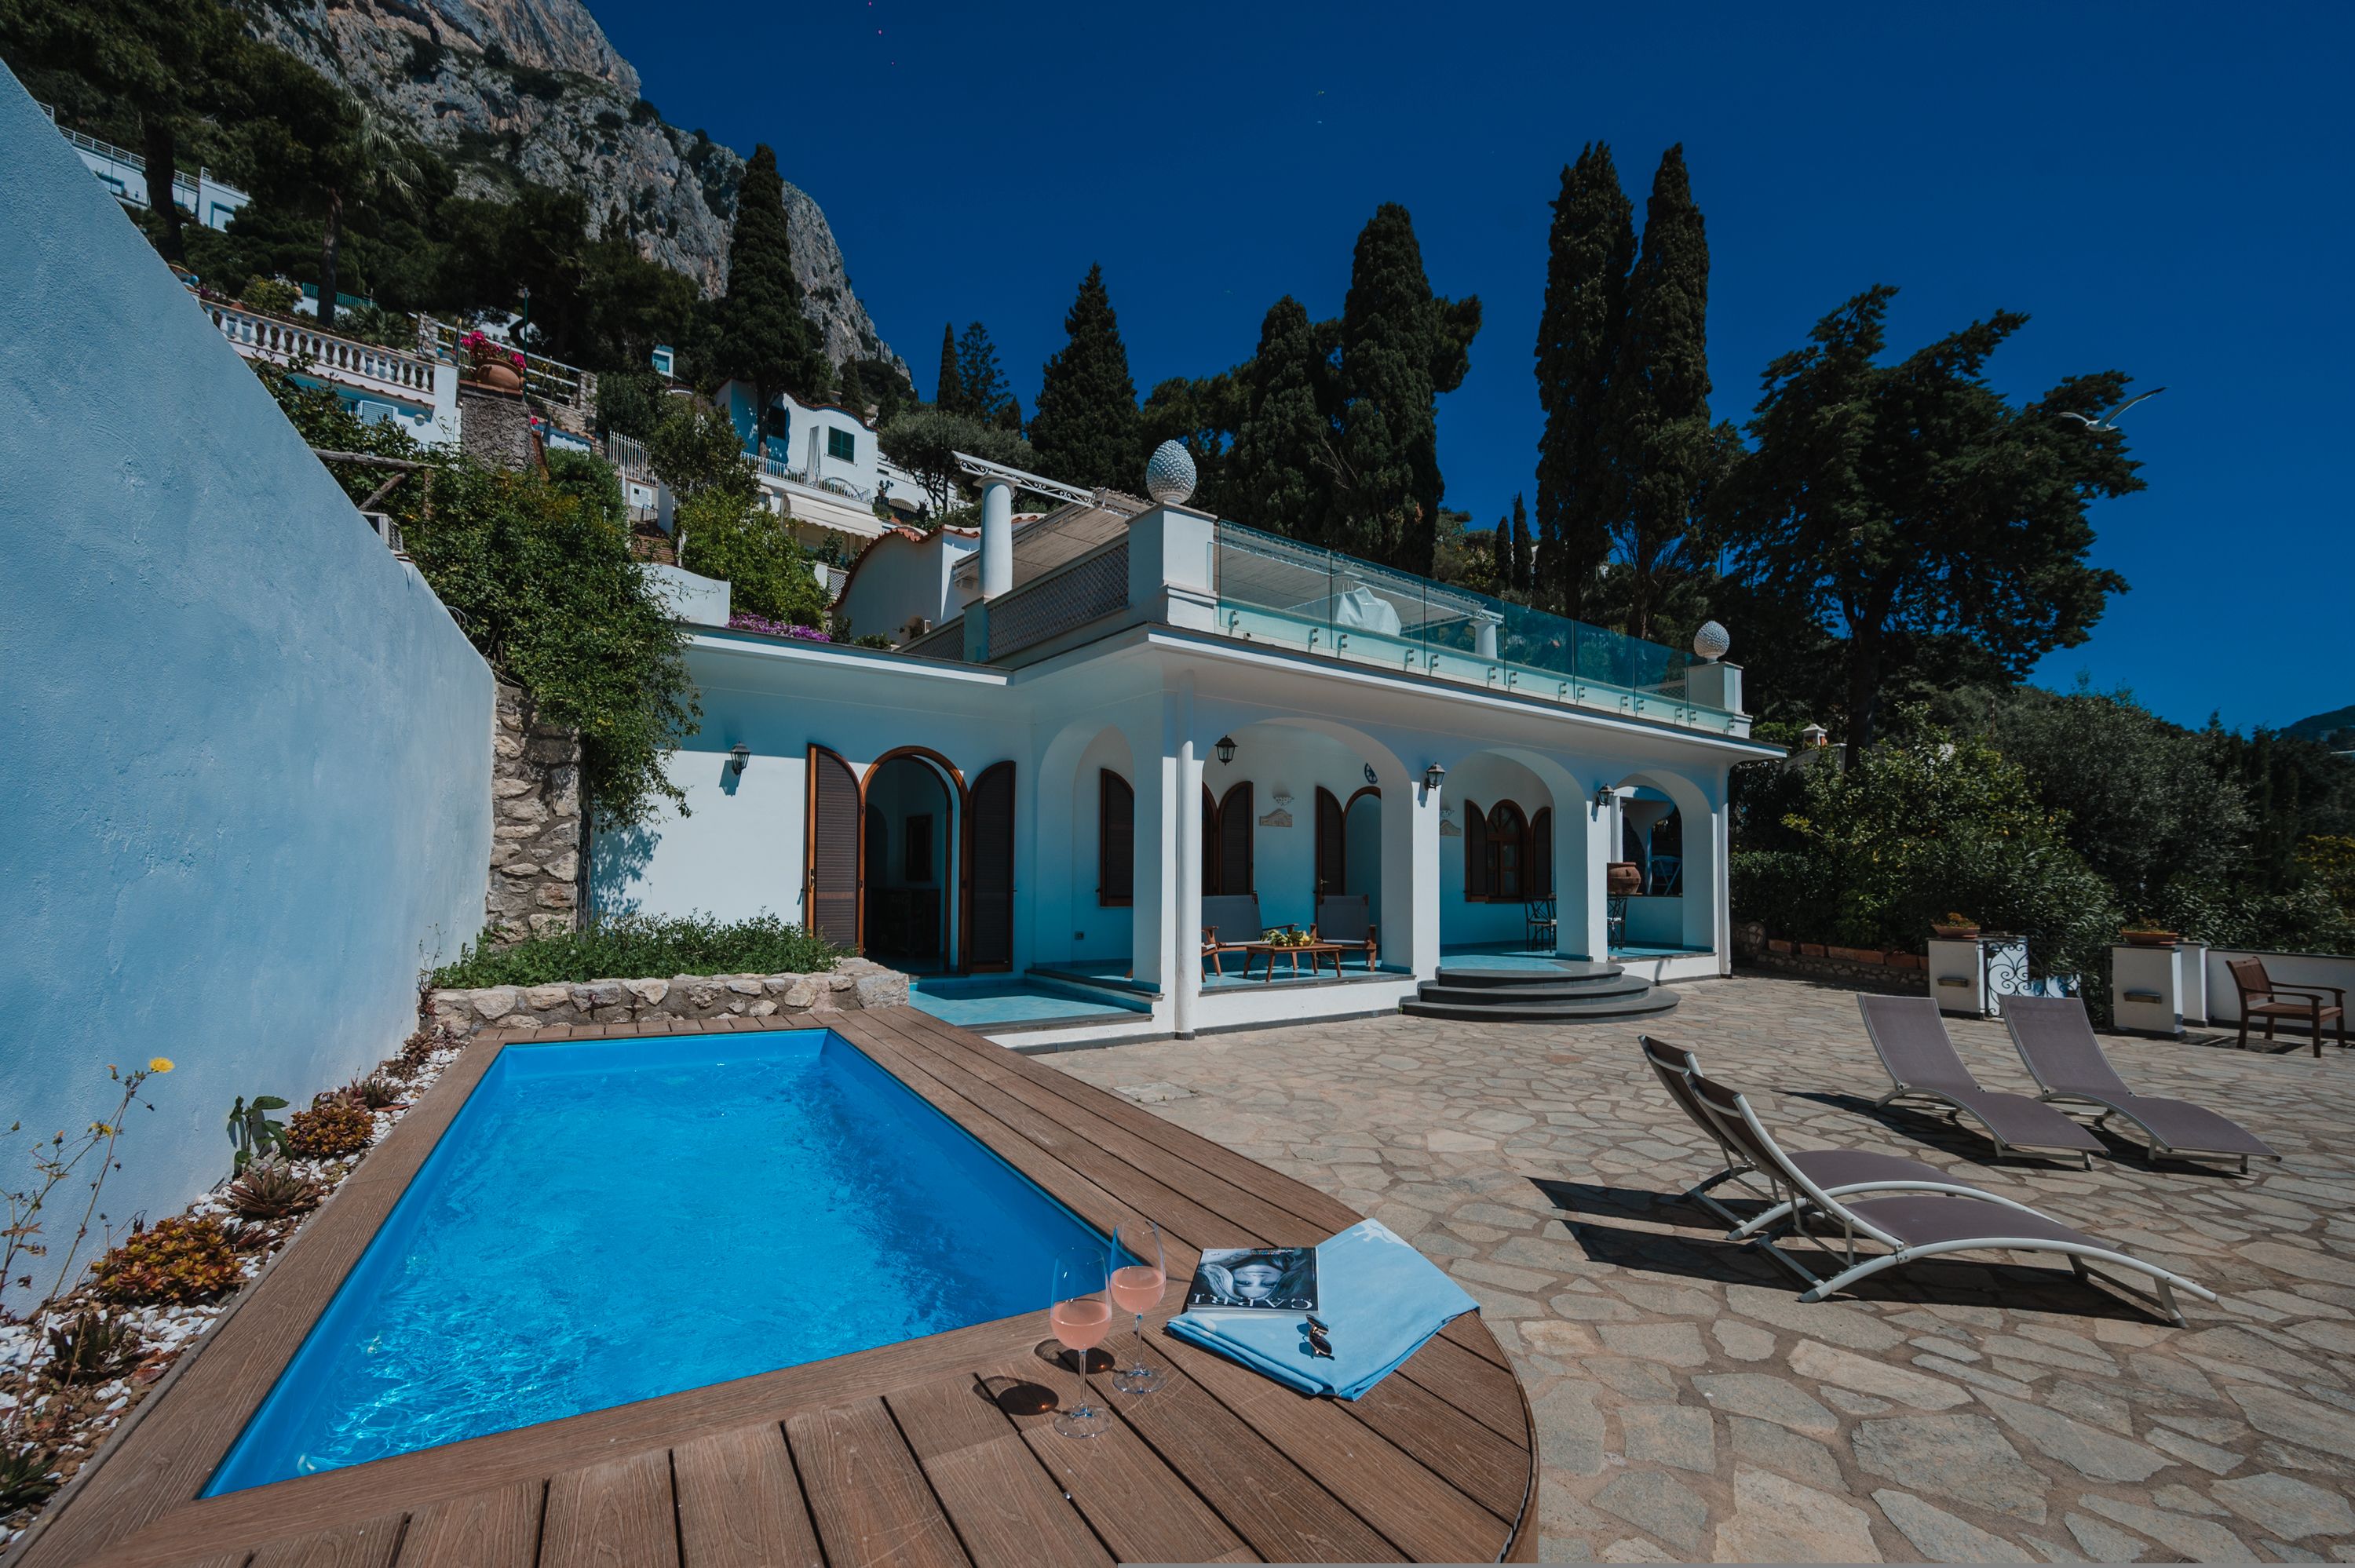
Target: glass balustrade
1308, 600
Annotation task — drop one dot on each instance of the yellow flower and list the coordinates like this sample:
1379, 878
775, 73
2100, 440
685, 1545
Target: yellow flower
160, 1065
101, 1128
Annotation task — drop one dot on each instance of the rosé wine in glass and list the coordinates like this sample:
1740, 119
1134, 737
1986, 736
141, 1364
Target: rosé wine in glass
1135, 1287
1080, 1316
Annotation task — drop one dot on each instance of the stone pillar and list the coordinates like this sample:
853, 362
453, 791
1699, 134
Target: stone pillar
996, 537
536, 847
494, 429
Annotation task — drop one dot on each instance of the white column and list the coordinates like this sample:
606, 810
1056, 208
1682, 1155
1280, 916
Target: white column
1151, 911
1486, 637
1185, 900
1708, 922
996, 537
1586, 839
1410, 921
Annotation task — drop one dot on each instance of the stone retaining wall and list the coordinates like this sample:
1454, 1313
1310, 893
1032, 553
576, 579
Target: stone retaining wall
534, 882
1845, 966
854, 983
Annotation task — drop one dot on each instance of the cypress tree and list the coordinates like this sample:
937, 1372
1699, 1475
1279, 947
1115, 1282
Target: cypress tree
1285, 466
948, 390
1522, 577
1500, 546
1661, 395
1591, 252
981, 381
1400, 347
1085, 430
763, 338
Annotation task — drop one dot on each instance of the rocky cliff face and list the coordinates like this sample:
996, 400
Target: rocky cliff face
533, 88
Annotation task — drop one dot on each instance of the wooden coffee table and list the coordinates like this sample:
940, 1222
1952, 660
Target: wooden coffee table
1317, 952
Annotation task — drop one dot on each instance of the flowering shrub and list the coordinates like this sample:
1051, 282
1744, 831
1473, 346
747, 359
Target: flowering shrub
482, 349
744, 621
171, 1260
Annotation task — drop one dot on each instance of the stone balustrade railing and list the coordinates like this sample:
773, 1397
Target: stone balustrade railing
407, 377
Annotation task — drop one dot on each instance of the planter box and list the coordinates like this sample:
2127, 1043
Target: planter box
1857, 955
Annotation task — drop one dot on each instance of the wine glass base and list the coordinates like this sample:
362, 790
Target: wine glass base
1084, 1420
1139, 1379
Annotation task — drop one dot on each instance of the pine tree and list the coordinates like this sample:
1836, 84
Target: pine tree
1592, 249
1085, 429
1660, 396
762, 338
948, 394
1523, 563
981, 381
1285, 467
1400, 347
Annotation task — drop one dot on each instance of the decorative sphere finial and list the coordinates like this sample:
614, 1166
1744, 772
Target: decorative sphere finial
1711, 641
1169, 474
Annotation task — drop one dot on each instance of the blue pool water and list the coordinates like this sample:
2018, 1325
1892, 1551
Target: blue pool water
610, 1221
982, 1003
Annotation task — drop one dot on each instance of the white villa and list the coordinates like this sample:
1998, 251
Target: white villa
1123, 709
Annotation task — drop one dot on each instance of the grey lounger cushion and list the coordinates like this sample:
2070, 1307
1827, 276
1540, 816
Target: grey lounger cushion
1911, 1039
2056, 1039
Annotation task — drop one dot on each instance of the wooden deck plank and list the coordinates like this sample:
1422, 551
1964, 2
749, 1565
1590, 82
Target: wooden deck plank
1488, 1467
867, 1494
739, 1503
618, 1514
1473, 1384
1391, 1491
1006, 1511
495, 1528
364, 1543
1141, 1508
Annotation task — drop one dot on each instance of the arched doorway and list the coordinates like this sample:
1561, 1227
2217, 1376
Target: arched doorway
913, 803
1350, 844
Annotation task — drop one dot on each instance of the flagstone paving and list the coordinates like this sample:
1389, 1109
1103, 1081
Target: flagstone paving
1691, 1407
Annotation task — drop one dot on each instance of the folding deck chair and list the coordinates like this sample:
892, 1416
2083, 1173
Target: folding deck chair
1910, 1037
2056, 1039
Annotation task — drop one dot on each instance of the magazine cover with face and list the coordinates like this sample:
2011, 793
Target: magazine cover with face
1254, 1278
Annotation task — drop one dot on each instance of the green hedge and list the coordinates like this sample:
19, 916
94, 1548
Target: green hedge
639, 947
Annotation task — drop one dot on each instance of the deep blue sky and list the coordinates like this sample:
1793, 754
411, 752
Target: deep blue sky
2164, 189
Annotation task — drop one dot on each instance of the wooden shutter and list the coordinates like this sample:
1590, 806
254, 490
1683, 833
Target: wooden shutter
1508, 847
833, 851
1115, 841
1211, 888
1332, 845
1475, 854
1537, 872
1235, 826
990, 923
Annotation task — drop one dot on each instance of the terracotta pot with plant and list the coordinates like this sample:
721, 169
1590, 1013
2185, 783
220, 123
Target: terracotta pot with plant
2150, 934
1955, 928
494, 365
1621, 878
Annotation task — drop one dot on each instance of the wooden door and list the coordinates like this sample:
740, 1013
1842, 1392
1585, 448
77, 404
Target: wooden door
989, 919
1475, 854
1538, 875
1332, 845
834, 851
1235, 826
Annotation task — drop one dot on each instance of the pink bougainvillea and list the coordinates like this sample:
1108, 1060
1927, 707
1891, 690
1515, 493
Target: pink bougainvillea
743, 621
482, 348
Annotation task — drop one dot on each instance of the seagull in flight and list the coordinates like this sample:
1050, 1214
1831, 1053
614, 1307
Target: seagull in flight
2108, 422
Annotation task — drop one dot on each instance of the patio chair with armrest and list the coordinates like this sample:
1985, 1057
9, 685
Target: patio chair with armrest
1543, 923
1229, 925
1918, 1224
2262, 997
1837, 1170
2056, 1039
1908, 1034
1347, 920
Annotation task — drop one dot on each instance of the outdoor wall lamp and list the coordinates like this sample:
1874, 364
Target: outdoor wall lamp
740, 757
1226, 748
1603, 794
1433, 776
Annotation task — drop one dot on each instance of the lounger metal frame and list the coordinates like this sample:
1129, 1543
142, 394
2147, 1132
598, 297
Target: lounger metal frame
1853, 1226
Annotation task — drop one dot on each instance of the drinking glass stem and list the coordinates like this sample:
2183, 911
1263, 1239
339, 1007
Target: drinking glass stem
1140, 1342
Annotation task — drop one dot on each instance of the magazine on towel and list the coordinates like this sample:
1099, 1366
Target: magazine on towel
1253, 1280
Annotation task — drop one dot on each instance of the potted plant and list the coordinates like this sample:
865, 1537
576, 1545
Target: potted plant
2150, 934
1621, 878
1955, 928
494, 366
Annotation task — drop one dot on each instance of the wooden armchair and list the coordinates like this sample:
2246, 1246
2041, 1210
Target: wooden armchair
1229, 924
2261, 997
1344, 920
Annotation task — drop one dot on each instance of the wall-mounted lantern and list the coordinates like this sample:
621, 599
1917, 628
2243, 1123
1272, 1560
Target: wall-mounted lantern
1226, 748
1603, 794
1433, 776
740, 757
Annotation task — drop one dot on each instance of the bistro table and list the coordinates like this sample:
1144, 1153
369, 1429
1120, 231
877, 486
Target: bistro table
1317, 952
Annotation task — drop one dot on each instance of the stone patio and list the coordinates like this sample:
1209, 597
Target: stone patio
1690, 1407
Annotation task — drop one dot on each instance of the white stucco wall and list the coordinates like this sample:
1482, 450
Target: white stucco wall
897, 578
245, 754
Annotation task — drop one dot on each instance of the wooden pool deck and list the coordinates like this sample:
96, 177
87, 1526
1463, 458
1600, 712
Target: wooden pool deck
938, 1451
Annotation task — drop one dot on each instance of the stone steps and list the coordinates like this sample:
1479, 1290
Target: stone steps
1568, 993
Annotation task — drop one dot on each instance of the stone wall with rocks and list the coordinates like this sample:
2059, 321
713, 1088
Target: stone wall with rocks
1858, 969
494, 429
854, 983
536, 841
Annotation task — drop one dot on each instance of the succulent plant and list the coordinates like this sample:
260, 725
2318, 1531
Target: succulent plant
90, 1347
329, 1131
417, 1051
251, 1131
270, 1189
27, 1476
171, 1260
374, 1092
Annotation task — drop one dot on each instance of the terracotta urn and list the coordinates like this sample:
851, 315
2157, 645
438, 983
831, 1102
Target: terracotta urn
1621, 878
499, 374
1953, 933
2153, 939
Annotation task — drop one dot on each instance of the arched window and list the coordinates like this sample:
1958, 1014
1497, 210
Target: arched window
1115, 841
1475, 854
1509, 850
1537, 875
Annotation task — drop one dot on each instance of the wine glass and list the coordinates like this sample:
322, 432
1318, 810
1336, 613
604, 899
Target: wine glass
1080, 1316
1135, 1287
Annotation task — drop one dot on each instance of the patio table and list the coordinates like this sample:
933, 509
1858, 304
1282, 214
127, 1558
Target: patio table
1317, 953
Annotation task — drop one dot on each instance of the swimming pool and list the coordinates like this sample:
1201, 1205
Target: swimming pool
610, 1221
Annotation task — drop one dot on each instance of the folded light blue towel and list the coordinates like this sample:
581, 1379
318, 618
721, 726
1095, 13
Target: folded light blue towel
1382, 1298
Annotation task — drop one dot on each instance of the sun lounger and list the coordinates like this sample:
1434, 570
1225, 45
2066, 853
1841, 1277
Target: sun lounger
2056, 1039
1837, 1170
1910, 1037
1914, 1225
